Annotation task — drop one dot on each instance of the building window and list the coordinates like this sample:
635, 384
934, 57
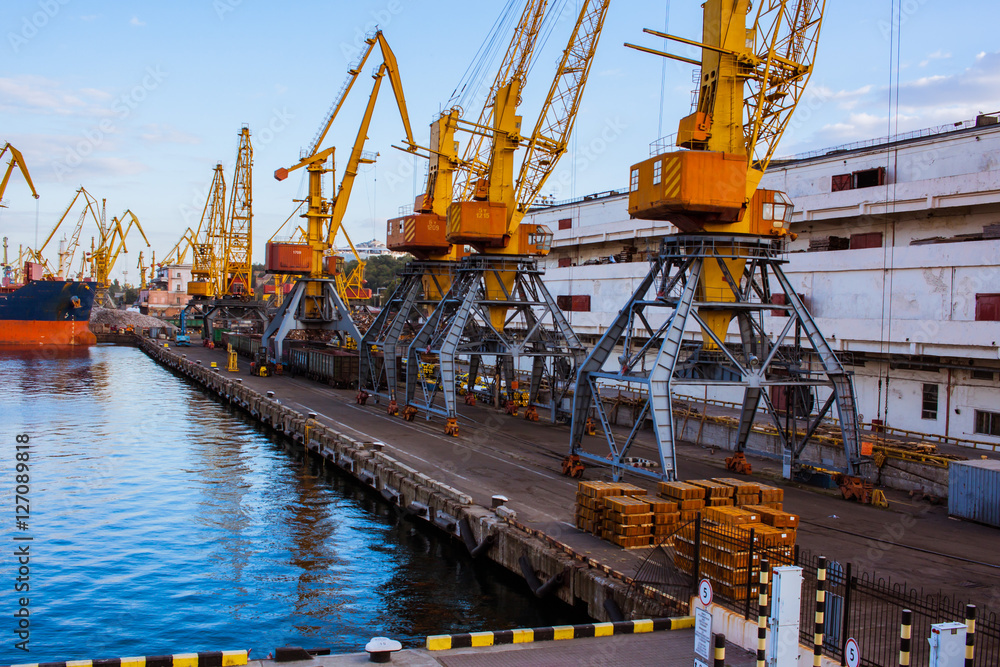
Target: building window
577, 303
842, 182
634, 182
929, 410
988, 307
869, 178
978, 374
566, 223
987, 423
862, 241
657, 172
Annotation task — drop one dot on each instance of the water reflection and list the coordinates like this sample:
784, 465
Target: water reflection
164, 523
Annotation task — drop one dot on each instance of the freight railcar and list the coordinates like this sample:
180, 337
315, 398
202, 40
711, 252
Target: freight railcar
337, 368
245, 345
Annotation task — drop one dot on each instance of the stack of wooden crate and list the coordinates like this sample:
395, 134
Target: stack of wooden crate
772, 496
627, 522
666, 517
745, 493
591, 506
689, 498
716, 494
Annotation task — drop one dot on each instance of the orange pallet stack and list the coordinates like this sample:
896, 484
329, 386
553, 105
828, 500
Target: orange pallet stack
666, 517
772, 496
689, 498
590, 504
746, 493
716, 494
628, 522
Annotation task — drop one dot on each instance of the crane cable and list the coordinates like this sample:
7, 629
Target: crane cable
888, 244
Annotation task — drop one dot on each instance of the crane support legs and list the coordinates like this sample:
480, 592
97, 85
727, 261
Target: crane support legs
315, 306
497, 307
403, 313
668, 342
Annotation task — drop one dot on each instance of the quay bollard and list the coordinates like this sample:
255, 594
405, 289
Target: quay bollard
762, 616
720, 651
820, 612
970, 634
905, 632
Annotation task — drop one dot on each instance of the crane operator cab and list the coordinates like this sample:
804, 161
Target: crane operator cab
537, 239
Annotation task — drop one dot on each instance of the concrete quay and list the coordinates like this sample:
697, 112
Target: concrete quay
446, 480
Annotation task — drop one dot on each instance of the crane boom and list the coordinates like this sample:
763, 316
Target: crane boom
476, 159
555, 123
15, 159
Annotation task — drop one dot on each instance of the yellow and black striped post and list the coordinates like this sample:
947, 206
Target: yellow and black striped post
720, 651
905, 632
762, 615
820, 612
970, 634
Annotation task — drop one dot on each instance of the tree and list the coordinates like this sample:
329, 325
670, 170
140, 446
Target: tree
380, 273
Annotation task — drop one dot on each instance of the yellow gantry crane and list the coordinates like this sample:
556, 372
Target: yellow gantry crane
318, 301
727, 258
16, 159
208, 249
498, 305
238, 238
104, 254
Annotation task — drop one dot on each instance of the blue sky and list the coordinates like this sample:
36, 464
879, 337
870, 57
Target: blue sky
137, 101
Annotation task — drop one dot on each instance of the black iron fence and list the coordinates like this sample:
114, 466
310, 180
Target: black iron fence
861, 605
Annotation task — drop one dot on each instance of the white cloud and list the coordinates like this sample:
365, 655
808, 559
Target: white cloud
926, 101
937, 55
88, 17
157, 133
38, 95
136, 22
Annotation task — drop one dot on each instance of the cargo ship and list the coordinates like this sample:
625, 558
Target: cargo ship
47, 312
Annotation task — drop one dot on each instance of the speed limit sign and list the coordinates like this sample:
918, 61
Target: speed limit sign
852, 653
705, 592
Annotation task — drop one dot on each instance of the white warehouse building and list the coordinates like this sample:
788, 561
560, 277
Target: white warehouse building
897, 257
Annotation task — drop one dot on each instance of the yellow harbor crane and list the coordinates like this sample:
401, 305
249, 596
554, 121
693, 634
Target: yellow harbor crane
104, 254
498, 305
207, 269
316, 302
142, 272
67, 247
16, 159
224, 253
726, 260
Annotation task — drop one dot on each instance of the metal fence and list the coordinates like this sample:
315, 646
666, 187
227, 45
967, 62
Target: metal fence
861, 605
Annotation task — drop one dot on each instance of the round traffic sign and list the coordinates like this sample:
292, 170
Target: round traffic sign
852, 653
705, 592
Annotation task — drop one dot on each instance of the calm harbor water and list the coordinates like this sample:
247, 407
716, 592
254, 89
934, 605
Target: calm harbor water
162, 522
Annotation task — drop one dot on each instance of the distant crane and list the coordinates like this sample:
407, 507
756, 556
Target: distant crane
68, 246
16, 159
727, 258
105, 253
315, 302
233, 302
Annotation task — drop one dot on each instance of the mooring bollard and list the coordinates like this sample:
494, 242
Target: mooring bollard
905, 632
762, 615
820, 612
720, 651
970, 634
